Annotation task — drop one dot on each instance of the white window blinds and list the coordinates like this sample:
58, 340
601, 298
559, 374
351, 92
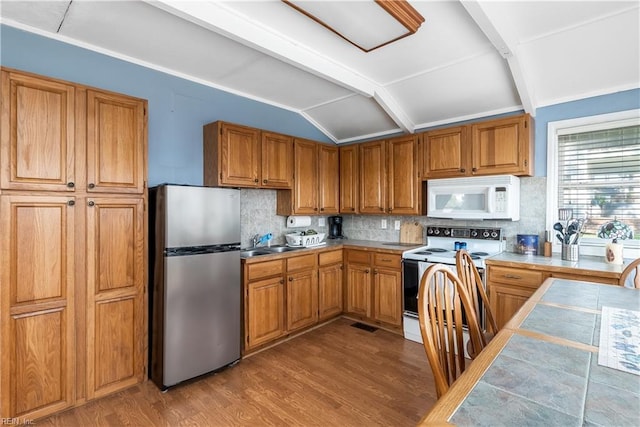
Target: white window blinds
599, 175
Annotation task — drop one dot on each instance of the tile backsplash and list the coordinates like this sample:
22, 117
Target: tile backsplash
258, 216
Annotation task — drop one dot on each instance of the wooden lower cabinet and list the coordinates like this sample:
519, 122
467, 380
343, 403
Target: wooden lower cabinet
289, 294
37, 305
374, 287
116, 312
265, 308
329, 284
72, 314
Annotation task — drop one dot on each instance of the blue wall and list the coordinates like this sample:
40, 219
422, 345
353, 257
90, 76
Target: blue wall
178, 108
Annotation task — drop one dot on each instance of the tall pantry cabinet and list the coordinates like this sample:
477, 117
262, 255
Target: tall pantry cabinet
73, 242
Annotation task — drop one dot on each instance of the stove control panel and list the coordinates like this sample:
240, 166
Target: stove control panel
468, 233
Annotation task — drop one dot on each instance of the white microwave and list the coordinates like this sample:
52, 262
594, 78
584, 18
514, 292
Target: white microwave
477, 197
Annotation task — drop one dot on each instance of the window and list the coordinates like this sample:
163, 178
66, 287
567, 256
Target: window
594, 170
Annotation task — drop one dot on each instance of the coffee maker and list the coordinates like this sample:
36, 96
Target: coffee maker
335, 228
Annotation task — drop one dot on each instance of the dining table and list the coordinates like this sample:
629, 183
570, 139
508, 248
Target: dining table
569, 357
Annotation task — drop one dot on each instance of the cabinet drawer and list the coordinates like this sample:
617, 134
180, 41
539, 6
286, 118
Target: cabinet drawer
358, 257
516, 276
304, 262
333, 257
387, 260
265, 269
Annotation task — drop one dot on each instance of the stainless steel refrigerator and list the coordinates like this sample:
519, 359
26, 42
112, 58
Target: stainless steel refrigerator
195, 285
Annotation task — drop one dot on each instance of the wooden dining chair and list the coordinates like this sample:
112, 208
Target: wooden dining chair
441, 300
470, 277
634, 266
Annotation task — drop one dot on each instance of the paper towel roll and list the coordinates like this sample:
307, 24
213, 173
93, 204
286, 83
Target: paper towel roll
613, 253
298, 221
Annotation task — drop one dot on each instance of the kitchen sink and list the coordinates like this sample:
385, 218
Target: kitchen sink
279, 249
254, 252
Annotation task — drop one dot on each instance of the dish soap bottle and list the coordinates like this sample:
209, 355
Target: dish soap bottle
613, 252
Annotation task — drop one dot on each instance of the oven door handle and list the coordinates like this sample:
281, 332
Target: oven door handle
410, 314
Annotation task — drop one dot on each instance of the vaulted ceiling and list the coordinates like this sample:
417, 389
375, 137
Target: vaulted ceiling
469, 59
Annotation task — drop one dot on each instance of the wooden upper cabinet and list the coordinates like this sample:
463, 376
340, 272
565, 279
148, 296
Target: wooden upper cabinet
37, 134
277, 160
116, 143
231, 155
349, 184
328, 179
373, 197
37, 272
445, 153
305, 197
492, 147
503, 146
402, 172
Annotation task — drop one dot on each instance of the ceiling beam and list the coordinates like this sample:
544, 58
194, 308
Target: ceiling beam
225, 21
506, 49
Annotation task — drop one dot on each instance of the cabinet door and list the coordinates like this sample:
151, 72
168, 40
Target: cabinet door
302, 299
403, 176
329, 291
502, 146
446, 153
387, 296
506, 301
373, 177
277, 160
265, 306
37, 134
238, 155
349, 187
359, 289
36, 305
328, 179
116, 143
115, 290
305, 177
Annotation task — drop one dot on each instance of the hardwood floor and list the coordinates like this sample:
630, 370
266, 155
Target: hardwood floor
336, 375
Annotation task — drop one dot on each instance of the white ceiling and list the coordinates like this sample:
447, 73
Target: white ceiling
469, 59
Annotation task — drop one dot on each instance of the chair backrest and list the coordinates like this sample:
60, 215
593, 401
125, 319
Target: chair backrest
633, 266
441, 299
470, 277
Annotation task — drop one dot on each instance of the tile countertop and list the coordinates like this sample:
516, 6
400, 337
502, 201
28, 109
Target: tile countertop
556, 263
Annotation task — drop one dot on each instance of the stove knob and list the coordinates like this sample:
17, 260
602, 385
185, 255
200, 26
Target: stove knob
494, 234
436, 231
429, 231
485, 234
447, 232
474, 233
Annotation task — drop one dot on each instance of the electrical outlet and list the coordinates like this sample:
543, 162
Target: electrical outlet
321, 222
396, 225
383, 224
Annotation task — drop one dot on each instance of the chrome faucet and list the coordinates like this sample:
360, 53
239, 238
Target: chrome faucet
255, 240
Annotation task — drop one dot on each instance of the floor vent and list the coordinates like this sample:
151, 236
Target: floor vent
364, 327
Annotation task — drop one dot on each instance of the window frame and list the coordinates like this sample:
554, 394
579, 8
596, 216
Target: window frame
576, 125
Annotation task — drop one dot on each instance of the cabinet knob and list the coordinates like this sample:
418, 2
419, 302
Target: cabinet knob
91, 185
353, 209
382, 209
375, 272
367, 271
264, 181
474, 169
91, 203
315, 209
281, 281
390, 209
463, 170
321, 209
256, 180
291, 279
71, 184
71, 202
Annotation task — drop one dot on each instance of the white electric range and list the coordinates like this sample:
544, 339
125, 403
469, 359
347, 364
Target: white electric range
442, 242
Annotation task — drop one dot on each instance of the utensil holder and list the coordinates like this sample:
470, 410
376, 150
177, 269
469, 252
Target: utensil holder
570, 252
